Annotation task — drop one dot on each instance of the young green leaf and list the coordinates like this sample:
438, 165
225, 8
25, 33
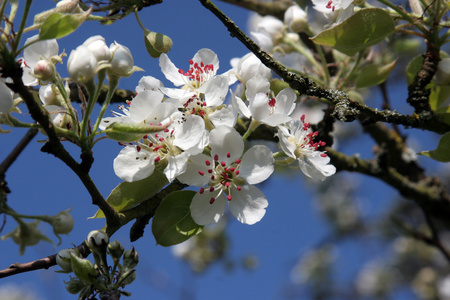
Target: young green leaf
129, 194
374, 74
442, 152
59, 25
172, 223
365, 28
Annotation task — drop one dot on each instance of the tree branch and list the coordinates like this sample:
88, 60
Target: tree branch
345, 109
275, 9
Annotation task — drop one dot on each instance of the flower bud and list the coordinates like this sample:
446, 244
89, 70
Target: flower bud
157, 43
130, 259
58, 116
44, 70
83, 269
115, 249
296, 18
127, 277
63, 259
96, 44
82, 64
97, 239
63, 222
122, 60
66, 6
74, 286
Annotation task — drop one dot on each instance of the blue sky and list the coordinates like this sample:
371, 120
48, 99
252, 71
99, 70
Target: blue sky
41, 184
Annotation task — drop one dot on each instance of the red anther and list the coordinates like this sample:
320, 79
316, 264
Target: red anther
202, 190
237, 172
211, 189
227, 184
181, 71
228, 155
238, 161
232, 169
166, 130
238, 188
145, 137
213, 177
272, 102
150, 145
323, 155
138, 148
202, 113
201, 173
216, 157
329, 4
161, 139
211, 201
207, 162
223, 164
157, 159
229, 197
210, 171
191, 62
156, 135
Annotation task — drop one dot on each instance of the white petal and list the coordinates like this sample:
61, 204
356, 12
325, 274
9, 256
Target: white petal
223, 140
225, 116
285, 145
285, 101
259, 106
207, 56
190, 133
143, 104
149, 83
316, 167
203, 212
176, 165
248, 205
256, 85
257, 164
240, 106
6, 98
170, 70
131, 165
215, 90
192, 176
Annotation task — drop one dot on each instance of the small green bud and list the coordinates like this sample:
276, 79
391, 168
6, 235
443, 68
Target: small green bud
63, 259
74, 286
130, 259
115, 249
83, 269
157, 43
63, 222
127, 277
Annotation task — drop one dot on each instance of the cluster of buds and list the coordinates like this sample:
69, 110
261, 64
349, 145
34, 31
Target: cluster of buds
98, 277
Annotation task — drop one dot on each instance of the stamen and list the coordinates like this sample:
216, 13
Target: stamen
201, 173
211, 201
229, 197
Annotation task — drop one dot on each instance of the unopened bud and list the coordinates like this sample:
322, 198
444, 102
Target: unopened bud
130, 259
129, 132
115, 249
296, 18
63, 259
63, 222
97, 239
157, 43
44, 70
74, 286
122, 60
83, 269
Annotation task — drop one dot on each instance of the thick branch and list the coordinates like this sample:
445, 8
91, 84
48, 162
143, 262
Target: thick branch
346, 110
275, 9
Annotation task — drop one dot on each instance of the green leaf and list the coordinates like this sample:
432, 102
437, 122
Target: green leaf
172, 223
129, 194
365, 28
374, 74
413, 68
442, 152
59, 25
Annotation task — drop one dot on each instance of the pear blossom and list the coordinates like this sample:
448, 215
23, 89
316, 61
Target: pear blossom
172, 147
82, 64
248, 67
335, 10
263, 108
149, 83
297, 142
35, 52
223, 177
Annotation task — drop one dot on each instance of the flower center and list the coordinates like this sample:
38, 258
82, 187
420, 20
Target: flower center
161, 144
223, 177
197, 74
196, 106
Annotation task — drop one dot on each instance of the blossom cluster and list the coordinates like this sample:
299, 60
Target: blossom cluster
199, 145
187, 131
